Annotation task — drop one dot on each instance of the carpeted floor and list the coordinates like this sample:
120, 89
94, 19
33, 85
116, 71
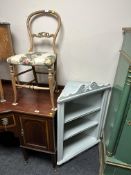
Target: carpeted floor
12, 162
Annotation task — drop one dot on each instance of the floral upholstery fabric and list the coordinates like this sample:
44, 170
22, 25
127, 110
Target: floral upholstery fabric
33, 58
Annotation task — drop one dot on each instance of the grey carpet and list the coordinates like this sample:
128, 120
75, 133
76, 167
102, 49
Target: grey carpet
12, 162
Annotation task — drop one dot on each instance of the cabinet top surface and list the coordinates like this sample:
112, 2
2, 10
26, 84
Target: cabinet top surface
4, 23
29, 102
126, 29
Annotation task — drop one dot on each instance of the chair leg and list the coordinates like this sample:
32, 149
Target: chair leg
34, 73
51, 83
16, 72
13, 84
56, 86
1, 93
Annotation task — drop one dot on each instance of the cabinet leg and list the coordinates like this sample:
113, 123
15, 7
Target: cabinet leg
24, 151
53, 157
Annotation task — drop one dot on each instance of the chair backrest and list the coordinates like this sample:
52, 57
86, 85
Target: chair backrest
35, 15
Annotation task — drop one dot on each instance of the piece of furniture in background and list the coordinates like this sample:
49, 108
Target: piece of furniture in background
6, 46
116, 146
80, 120
32, 120
33, 58
6, 49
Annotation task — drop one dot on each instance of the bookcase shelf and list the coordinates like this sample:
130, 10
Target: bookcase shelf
72, 114
78, 126
81, 117
77, 145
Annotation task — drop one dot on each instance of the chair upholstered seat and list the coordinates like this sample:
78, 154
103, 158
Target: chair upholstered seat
34, 59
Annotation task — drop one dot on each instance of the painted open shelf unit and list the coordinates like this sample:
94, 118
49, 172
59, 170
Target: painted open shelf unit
81, 116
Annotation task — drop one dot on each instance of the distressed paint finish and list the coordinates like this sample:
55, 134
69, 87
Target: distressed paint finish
112, 170
117, 154
120, 93
124, 150
81, 117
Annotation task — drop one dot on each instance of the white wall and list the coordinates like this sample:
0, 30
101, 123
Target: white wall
91, 34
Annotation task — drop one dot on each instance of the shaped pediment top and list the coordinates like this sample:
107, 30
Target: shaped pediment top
74, 88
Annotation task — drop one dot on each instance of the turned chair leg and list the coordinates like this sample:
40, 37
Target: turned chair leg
34, 73
51, 86
55, 77
1, 93
56, 86
12, 72
16, 72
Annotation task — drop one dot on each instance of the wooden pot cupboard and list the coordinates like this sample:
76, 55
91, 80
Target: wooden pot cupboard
116, 146
32, 121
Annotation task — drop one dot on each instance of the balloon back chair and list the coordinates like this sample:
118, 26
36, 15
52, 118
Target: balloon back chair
36, 58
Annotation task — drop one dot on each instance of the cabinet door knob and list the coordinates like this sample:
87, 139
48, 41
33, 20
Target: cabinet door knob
4, 121
129, 122
22, 132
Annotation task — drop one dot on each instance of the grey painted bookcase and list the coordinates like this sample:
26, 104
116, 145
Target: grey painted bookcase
81, 116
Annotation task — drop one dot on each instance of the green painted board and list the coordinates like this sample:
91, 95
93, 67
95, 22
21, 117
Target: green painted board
126, 46
123, 151
113, 170
120, 93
